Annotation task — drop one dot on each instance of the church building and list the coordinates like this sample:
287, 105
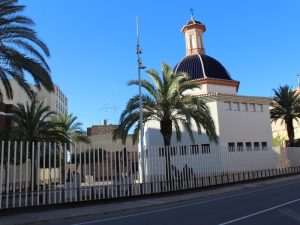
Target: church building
242, 122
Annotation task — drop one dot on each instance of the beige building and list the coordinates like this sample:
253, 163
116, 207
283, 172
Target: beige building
101, 135
19, 95
56, 100
280, 133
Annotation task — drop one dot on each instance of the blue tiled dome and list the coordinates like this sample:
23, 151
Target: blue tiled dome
201, 66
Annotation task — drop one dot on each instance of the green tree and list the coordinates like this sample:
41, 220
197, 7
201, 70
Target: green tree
168, 103
286, 107
71, 128
21, 51
33, 125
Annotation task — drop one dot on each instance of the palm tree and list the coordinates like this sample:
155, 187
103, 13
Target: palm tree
33, 125
286, 107
168, 103
71, 128
19, 53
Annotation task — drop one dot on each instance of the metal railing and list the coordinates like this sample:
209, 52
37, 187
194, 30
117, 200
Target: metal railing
49, 173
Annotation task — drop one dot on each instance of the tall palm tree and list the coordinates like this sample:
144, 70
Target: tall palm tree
168, 103
286, 107
21, 51
71, 128
33, 124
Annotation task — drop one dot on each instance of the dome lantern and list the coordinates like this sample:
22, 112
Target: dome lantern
193, 32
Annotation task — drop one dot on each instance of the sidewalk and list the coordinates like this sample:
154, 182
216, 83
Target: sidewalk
47, 215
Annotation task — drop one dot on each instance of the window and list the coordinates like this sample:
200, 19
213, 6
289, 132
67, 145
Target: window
260, 108
194, 149
244, 107
248, 146
240, 146
173, 151
227, 106
235, 106
192, 41
182, 150
264, 145
256, 146
199, 41
251, 107
205, 148
231, 147
161, 151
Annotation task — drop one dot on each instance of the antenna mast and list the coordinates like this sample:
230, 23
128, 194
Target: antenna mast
140, 67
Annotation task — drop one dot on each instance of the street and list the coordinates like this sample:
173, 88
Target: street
270, 204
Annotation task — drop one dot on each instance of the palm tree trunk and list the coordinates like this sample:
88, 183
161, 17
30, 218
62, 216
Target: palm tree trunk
166, 131
290, 132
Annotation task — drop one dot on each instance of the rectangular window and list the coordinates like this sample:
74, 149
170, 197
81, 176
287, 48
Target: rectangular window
199, 41
249, 146
244, 107
264, 145
227, 106
260, 108
256, 146
192, 39
240, 146
182, 150
194, 149
251, 107
231, 147
161, 152
205, 148
235, 106
172, 150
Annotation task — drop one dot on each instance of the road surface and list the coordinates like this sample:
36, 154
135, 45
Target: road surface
269, 204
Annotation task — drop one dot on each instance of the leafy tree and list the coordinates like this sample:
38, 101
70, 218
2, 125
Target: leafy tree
278, 140
21, 51
169, 103
71, 128
286, 107
33, 125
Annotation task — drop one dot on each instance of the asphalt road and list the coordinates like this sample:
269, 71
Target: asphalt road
272, 204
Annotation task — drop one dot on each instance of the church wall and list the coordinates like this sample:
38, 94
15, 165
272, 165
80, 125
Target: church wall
241, 127
212, 88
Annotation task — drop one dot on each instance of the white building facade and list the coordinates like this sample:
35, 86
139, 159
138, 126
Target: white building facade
242, 122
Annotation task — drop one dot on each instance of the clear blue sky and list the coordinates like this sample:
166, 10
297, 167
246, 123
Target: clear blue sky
93, 45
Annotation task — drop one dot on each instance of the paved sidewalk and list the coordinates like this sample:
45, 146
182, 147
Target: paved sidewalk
45, 215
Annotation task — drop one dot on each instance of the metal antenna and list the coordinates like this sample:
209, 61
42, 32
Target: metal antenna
140, 67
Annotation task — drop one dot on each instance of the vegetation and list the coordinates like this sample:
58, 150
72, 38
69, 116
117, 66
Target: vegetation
286, 108
21, 51
278, 140
70, 128
33, 124
168, 102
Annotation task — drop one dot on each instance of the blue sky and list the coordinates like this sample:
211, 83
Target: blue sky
93, 45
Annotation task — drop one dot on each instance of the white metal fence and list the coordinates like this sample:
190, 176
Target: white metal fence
46, 173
